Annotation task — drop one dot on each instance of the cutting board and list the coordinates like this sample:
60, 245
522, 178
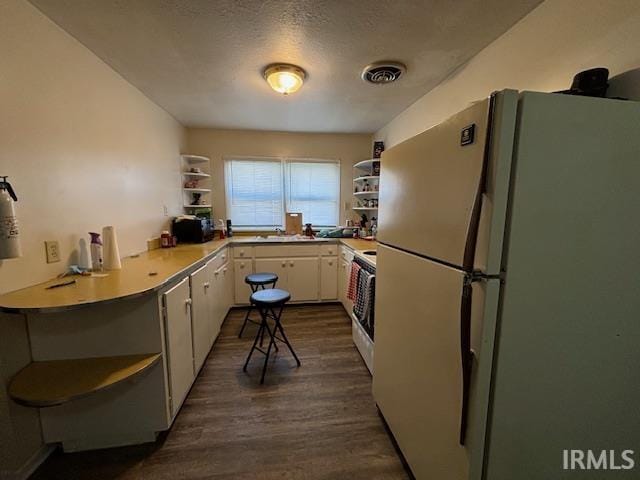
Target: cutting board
293, 223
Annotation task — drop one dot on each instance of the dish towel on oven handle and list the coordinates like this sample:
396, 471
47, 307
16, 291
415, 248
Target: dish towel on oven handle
352, 291
364, 296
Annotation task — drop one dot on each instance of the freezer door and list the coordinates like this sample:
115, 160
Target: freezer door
417, 382
430, 184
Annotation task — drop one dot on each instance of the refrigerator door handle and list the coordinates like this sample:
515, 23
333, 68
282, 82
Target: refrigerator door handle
466, 354
468, 256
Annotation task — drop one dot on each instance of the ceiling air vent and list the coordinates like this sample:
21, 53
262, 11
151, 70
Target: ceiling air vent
381, 73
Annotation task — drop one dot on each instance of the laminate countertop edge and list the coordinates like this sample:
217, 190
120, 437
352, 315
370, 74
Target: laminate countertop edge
197, 255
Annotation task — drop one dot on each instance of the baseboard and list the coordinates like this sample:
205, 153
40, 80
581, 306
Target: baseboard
30, 466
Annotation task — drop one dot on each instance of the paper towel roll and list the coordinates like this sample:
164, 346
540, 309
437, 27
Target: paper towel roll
111, 250
84, 260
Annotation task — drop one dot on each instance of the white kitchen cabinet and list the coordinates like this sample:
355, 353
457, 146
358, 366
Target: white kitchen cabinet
303, 279
227, 295
277, 266
329, 278
177, 317
242, 268
222, 291
242, 252
342, 289
202, 296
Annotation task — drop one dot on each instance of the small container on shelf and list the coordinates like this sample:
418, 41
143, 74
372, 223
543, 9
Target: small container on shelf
378, 148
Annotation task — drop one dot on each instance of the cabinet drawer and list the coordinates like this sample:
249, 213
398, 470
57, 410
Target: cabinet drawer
265, 251
346, 253
242, 252
330, 250
219, 258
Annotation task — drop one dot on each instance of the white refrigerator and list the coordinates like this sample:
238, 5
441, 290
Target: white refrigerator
508, 288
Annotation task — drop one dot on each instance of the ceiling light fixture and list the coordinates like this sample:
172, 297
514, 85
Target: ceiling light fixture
284, 78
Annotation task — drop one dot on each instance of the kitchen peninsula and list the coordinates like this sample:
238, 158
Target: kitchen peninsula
114, 357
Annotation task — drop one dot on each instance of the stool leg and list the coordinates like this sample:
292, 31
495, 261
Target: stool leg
277, 327
253, 347
271, 342
246, 319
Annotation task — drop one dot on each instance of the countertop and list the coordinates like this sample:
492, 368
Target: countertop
135, 278
359, 244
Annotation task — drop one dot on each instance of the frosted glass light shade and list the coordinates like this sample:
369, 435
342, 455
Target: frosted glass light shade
284, 78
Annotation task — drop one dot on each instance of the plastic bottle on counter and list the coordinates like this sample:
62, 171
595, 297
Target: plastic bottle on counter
96, 252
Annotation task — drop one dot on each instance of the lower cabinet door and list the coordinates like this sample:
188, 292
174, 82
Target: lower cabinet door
201, 296
242, 268
303, 277
213, 300
342, 288
177, 304
277, 266
329, 278
228, 288
219, 309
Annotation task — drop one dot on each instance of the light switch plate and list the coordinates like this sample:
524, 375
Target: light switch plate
53, 251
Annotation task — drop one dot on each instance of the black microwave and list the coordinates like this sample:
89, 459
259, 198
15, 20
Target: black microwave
192, 230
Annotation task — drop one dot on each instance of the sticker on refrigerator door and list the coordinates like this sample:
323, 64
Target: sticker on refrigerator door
467, 136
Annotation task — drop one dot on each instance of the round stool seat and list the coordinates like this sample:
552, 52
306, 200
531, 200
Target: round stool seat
260, 278
270, 297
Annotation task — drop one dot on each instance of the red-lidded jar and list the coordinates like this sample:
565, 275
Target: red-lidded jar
165, 239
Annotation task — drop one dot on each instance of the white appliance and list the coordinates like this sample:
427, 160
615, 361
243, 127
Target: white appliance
508, 295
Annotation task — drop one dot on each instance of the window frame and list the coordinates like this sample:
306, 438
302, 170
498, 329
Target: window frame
284, 169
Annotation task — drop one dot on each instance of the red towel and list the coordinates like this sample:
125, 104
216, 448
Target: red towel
353, 282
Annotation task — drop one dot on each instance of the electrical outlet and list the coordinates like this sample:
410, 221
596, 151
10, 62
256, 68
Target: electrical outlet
53, 251
165, 209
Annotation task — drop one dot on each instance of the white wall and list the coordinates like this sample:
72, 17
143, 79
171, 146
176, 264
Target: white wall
541, 52
216, 144
83, 148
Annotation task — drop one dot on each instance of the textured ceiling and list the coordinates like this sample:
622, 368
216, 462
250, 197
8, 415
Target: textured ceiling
202, 59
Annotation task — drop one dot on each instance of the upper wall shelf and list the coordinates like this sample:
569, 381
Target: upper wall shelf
197, 175
372, 193
197, 190
196, 170
366, 164
195, 158
367, 177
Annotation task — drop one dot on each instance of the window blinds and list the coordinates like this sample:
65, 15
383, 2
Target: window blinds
254, 191
259, 191
313, 188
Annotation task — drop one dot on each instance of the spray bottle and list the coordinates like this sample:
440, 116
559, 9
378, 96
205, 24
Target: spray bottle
96, 252
9, 235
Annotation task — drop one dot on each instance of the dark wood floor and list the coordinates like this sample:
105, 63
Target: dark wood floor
318, 421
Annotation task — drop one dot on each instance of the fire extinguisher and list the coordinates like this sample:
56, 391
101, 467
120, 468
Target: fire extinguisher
9, 235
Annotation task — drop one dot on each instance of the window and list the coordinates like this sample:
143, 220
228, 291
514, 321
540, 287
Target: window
254, 192
313, 188
259, 191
